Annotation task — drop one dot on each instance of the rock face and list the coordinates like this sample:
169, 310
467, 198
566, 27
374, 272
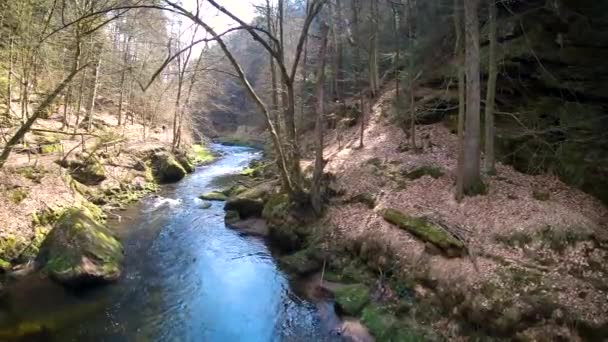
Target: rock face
166, 168
553, 82
426, 231
80, 251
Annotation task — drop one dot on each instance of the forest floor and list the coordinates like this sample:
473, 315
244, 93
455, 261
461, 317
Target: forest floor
33, 186
536, 247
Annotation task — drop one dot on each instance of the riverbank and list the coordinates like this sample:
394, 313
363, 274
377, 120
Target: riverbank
102, 171
525, 260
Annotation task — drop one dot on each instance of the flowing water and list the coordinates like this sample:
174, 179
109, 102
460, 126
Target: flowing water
186, 278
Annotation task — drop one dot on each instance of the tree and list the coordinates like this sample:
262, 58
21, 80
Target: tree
315, 192
472, 183
459, 49
491, 92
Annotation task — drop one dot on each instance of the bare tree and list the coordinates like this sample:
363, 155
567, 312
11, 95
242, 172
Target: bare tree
315, 192
472, 183
491, 93
459, 49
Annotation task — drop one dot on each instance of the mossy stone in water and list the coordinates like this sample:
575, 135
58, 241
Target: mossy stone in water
426, 231
80, 251
352, 298
213, 196
205, 205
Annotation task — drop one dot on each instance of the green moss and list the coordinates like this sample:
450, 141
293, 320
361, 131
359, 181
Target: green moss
426, 231
18, 195
302, 262
32, 173
277, 206
202, 154
50, 148
426, 170
4, 265
235, 190
352, 298
213, 196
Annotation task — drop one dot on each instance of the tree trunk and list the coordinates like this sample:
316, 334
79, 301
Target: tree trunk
315, 194
91, 107
358, 69
273, 73
30, 121
9, 75
373, 50
396, 28
491, 94
123, 76
412, 80
472, 179
461, 99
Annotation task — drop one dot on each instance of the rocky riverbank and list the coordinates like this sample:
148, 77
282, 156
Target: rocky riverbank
62, 197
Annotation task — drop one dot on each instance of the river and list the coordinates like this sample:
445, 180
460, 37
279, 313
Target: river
186, 278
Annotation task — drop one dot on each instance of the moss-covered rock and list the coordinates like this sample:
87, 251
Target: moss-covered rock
88, 170
213, 196
426, 231
302, 262
186, 161
426, 170
80, 251
245, 207
166, 168
351, 299
231, 217
250, 203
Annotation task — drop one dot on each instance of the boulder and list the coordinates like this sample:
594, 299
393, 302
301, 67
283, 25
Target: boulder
250, 203
213, 196
80, 251
302, 262
246, 207
87, 171
166, 168
231, 217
